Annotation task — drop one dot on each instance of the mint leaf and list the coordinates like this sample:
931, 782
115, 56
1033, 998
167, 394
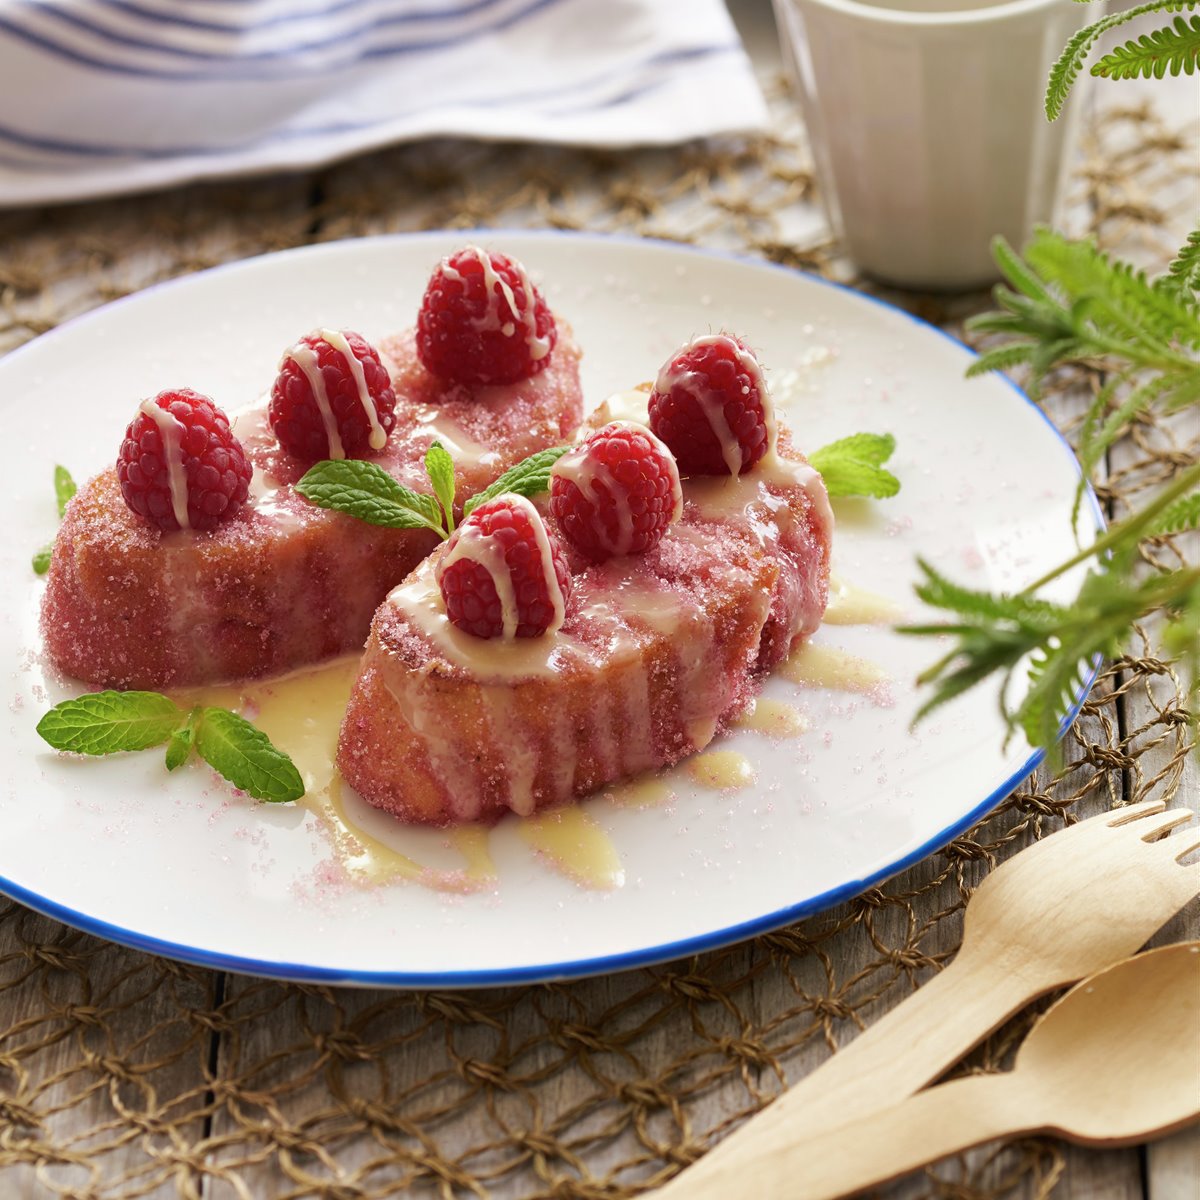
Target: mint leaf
245, 756
64, 489
366, 491
107, 722
180, 744
852, 466
439, 466
527, 478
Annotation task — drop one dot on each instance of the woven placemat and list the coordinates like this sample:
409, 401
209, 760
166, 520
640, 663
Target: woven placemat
123, 1075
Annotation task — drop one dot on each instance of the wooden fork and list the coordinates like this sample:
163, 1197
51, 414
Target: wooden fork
1064, 908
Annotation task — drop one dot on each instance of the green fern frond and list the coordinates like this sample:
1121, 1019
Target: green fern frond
1184, 514
1174, 48
1021, 610
1116, 298
1140, 399
1091, 449
1015, 270
1184, 271
1185, 391
1001, 359
1055, 681
1066, 70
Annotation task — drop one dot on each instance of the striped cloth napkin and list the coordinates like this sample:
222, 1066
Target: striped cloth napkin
107, 96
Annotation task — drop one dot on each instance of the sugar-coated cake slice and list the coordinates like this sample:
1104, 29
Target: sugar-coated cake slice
281, 583
657, 652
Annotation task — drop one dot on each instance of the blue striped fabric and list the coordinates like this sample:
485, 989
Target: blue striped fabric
106, 96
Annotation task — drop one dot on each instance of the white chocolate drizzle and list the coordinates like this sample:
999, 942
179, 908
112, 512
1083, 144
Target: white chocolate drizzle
377, 438
473, 545
851, 605
710, 405
267, 495
721, 497
488, 658
539, 347
465, 451
586, 470
170, 432
632, 405
305, 357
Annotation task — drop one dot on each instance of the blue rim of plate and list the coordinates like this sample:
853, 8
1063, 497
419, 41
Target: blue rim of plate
576, 968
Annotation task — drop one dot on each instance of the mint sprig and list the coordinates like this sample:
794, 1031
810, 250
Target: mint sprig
529, 477
852, 466
112, 722
366, 491
64, 489
179, 744
244, 755
107, 722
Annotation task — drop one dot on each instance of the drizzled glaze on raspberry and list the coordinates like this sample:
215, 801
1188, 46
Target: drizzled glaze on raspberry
503, 575
616, 492
332, 397
482, 321
710, 405
180, 466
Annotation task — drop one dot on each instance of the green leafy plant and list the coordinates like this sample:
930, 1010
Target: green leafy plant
1173, 48
1066, 302
112, 722
1069, 302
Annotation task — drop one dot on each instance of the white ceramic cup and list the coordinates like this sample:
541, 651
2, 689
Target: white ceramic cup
927, 126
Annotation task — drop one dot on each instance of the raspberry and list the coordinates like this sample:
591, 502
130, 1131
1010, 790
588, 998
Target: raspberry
482, 321
710, 405
332, 398
617, 492
180, 465
503, 574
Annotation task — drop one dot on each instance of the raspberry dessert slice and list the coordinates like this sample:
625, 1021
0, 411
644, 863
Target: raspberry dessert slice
279, 583
710, 406
483, 321
658, 651
180, 466
332, 398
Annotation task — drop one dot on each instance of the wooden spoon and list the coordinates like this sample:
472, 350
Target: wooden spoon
1115, 1061
1065, 907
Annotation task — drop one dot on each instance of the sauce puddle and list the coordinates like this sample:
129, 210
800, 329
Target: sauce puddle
721, 769
302, 713
772, 717
571, 840
827, 667
852, 605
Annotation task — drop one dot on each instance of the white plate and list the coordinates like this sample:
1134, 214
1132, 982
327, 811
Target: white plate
179, 866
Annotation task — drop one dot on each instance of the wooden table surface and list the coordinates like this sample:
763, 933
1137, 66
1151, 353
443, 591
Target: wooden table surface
303, 207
